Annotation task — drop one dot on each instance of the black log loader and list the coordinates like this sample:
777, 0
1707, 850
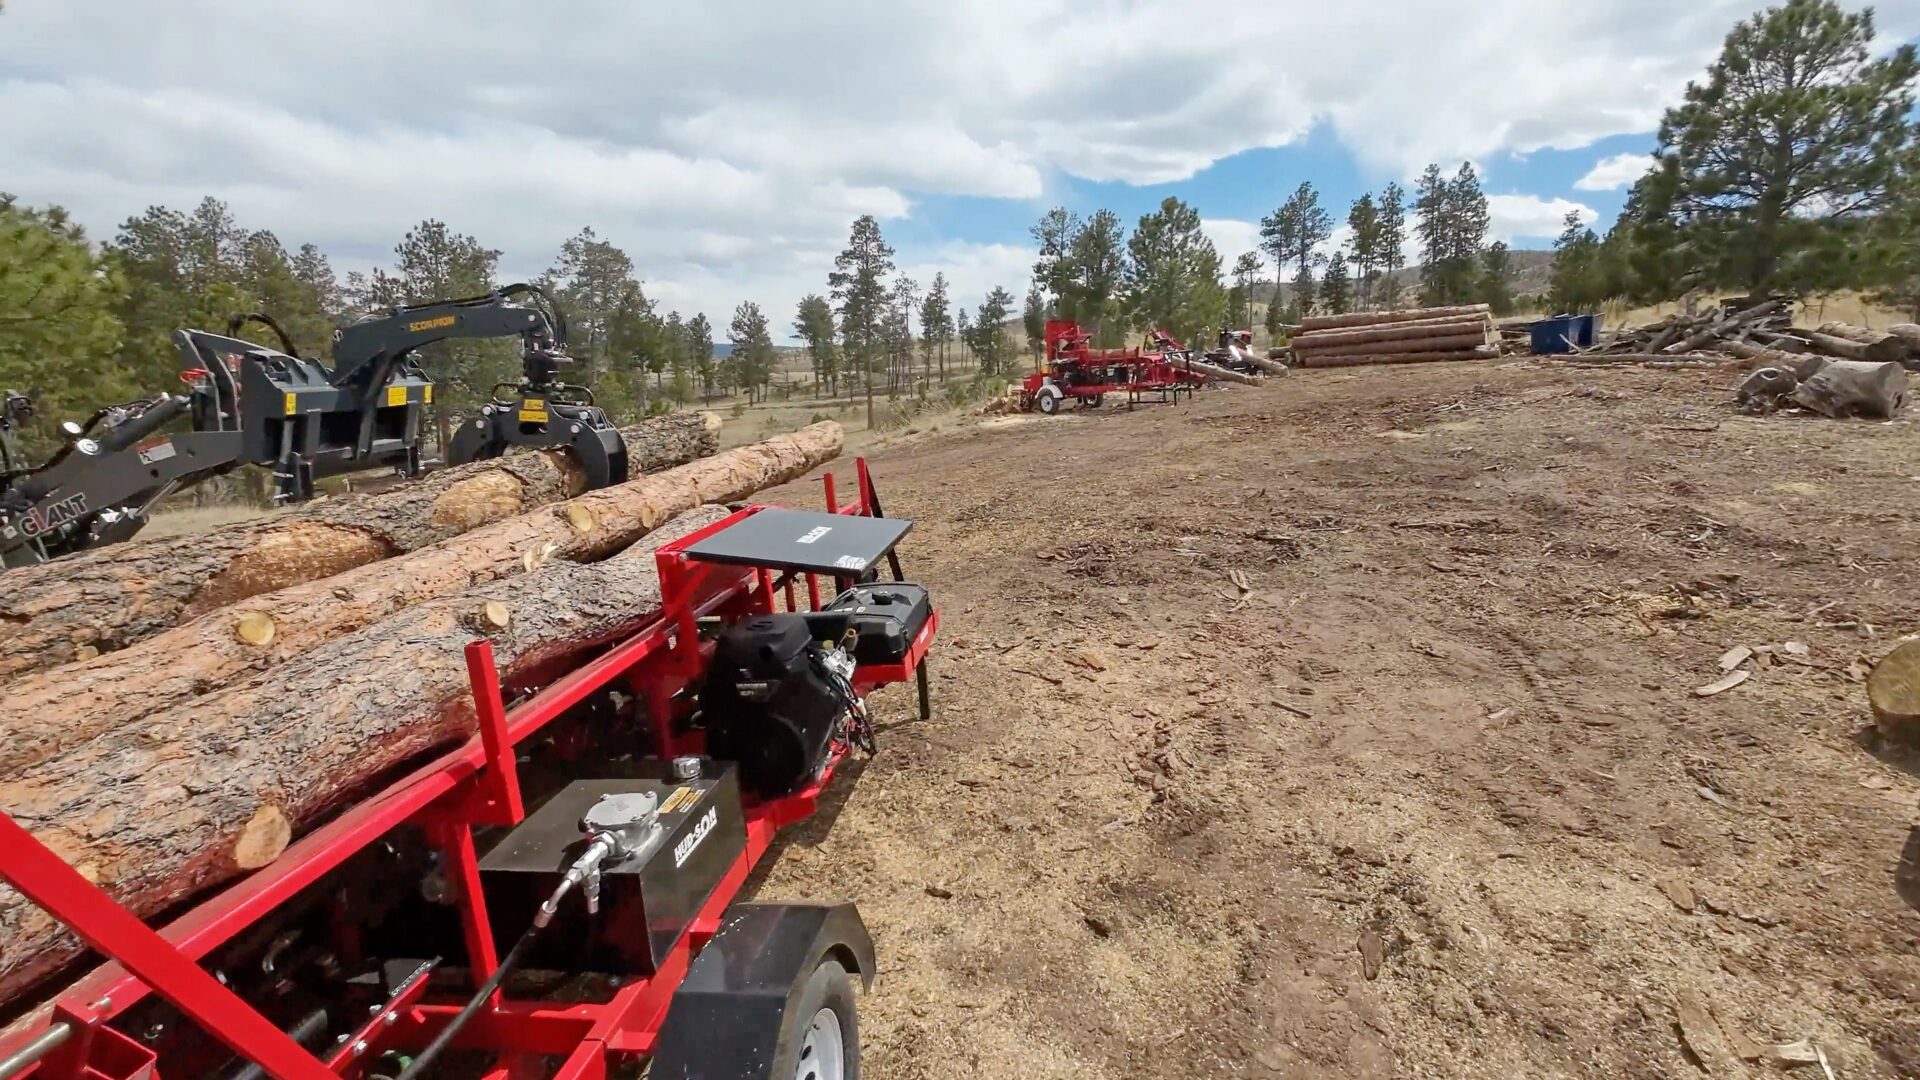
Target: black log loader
249, 404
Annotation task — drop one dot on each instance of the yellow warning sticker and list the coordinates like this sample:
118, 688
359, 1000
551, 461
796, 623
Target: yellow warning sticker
682, 798
293, 404
426, 394
533, 410
396, 395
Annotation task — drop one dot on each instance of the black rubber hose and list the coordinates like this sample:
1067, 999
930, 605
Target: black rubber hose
304, 1032
235, 322
419, 1065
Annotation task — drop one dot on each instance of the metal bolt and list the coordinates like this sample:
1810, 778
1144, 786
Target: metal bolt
390, 1019
102, 1005
359, 1048
686, 767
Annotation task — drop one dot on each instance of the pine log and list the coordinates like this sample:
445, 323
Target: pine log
1487, 352
1801, 364
102, 600
1893, 692
160, 811
1393, 332
1376, 318
1447, 341
54, 711
1846, 388
1214, 371
1890, 350
1908, 333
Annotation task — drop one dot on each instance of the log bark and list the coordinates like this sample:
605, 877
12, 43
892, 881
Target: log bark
99, 601
1215, 371
1893, 692
1440, 342
1890, 350
1484, 353
54, 711
1394, 332
1908, 333
1801, 364
1375, 318
1846, 388
158, 812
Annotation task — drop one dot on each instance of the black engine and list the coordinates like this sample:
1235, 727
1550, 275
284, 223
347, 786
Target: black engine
774, 701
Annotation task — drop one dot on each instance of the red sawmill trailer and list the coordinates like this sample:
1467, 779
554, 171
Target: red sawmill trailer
1075, 370
558, 896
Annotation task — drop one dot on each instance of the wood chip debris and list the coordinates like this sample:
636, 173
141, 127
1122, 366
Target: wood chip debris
1734, 657
1718, 686
1373, 952
1676, 889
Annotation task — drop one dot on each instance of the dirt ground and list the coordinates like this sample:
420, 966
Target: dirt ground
1347, 727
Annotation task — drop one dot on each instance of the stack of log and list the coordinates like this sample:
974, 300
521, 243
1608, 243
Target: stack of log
231, 717
1836, 369
1412, 336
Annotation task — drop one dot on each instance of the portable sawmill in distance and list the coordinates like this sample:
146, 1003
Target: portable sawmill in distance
1075, 370
560, 896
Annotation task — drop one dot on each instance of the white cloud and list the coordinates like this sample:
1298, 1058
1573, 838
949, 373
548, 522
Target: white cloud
726, 145
1614, 173
1515, 216
1231, 238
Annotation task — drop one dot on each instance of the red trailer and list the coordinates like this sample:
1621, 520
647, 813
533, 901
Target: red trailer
1076, 370
557, 897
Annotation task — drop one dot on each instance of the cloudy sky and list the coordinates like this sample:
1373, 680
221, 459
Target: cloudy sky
727, 146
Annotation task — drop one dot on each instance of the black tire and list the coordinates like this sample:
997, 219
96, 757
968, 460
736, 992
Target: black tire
830, 987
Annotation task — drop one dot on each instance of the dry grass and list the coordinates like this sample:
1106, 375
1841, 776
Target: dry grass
198, 519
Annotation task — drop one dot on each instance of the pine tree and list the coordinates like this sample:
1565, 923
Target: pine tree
1392, 244
1034, 319
936, 325
590, 277
1053, 270
1363, 219
1336, 286
813, 324
1098, 262
859, 283
58, 333
1246, 271
1796, 135
750, 362
1575, 284
991, 339
1291, 233
1173, 272
1496, 279
700, 358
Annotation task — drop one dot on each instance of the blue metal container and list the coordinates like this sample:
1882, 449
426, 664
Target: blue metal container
1564, 333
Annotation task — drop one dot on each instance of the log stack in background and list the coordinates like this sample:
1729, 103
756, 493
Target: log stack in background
1413, 336
93, 602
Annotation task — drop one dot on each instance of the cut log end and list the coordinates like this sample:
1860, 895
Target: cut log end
254, 628
490, 617
580, 518
262, 838
1893, 692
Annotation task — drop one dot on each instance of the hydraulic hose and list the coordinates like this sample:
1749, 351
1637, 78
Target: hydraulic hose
420, 1064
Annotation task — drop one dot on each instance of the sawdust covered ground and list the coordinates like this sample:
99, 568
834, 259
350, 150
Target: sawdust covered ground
1347, 727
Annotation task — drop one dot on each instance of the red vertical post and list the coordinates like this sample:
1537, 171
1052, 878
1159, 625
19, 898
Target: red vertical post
43, 878
501, 781
463, 872
833, 503
866, 485
813, 591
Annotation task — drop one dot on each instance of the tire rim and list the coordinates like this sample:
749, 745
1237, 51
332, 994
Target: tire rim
823, 1053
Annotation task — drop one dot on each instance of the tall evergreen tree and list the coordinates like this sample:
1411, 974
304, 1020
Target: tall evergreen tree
1291, 233
705, 366
1363, 219
591, 277
859, 283
1336, 285
1034, 319
1246, 271
936, 325
1173, 272
1098, 260
1496, 279
1796, 134
813, 324
1575, 283
1053, 270
750, 361
1392, 243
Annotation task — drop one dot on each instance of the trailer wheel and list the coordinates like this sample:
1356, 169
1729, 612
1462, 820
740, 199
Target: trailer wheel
1049, 400
823, 1029
1095, 401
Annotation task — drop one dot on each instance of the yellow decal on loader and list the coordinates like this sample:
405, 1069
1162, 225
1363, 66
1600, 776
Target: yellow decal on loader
396, 395
533, 410
426, 394
293, 403
431, 324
